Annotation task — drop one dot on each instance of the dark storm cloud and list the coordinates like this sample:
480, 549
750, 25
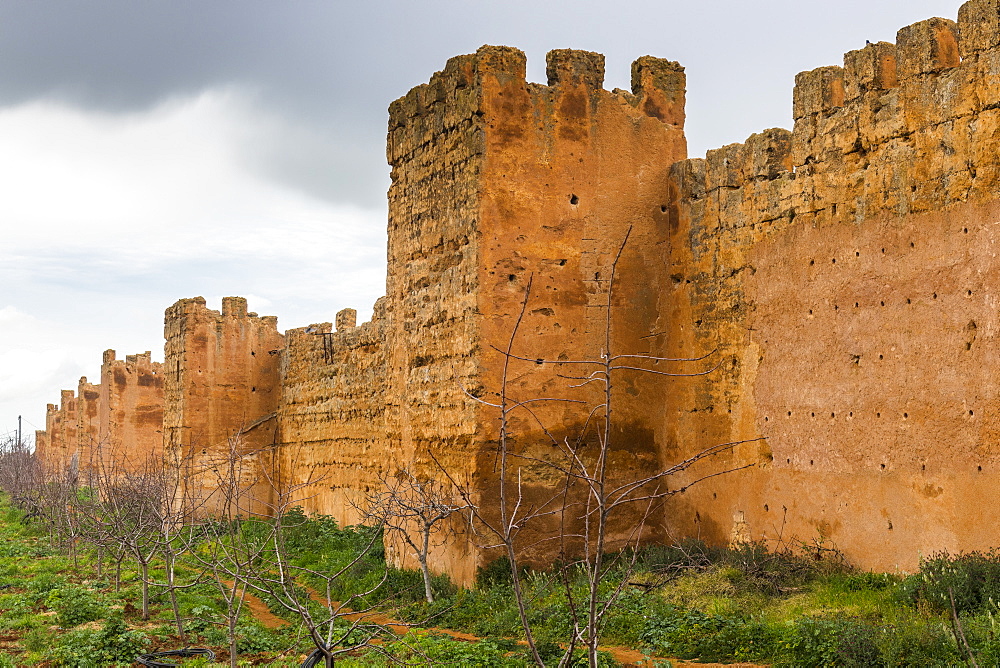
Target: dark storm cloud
332, 67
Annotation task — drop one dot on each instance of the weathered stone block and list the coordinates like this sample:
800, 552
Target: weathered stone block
978, 27
818, 90
927, 46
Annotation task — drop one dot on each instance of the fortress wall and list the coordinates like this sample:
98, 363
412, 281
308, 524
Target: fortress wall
88, 422
495, 181
131, 429
222, 378
846, 273
115, 424
332, 414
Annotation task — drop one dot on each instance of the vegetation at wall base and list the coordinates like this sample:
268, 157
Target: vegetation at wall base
689, 601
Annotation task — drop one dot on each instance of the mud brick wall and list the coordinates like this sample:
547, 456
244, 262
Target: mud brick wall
114, 426
497, 181
846, 272
131, 416
334, 394
88, 422
221, 380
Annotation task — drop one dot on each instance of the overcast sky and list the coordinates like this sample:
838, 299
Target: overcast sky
163, 149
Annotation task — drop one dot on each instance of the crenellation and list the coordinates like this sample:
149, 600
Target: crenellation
818, 91
346, 319
978, 27
570, 67
871, 69
926, 47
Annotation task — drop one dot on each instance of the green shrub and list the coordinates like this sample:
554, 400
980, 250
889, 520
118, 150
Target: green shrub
75, 605
691, 634
919, 643
973, 579
114, 644
822, 643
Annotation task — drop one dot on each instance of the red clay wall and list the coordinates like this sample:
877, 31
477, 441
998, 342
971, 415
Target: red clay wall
221, 372
846, 274
496, 180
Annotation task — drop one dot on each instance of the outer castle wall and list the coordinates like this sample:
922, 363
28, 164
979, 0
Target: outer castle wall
110, 427
839, 278
846, 272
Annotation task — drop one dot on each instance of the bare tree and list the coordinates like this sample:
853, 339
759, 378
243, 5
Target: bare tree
592, 499
223, 543
414, 511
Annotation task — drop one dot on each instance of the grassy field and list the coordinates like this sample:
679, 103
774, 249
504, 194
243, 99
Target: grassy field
795, 607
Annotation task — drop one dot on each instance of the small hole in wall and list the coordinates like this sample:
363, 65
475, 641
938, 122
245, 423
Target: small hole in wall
971, 413
965, 230
766, 509
968, 293
765, 419
883, 466
812, 262
923, 467
574, 200
833, 415
856, 304
906, 416
714, 495
810, 462
911, 245
562, 263
788, 461
881, 303
810, 311
511, 278
851, 414
883, 251
979, 468
857, 253
878, 415
834, 261
881, 357
789, 413
663, 208
812, 415
908, 301
253, 354
253, 389
935, 295
836, 308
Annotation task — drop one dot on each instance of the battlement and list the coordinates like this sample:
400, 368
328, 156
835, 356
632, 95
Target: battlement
461, 92
898, 129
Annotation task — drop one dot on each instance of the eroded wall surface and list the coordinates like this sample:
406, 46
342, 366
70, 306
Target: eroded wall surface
110, 427
221, 393
498, 182
332, 414
846, 273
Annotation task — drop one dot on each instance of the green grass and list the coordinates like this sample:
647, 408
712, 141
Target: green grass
689, 601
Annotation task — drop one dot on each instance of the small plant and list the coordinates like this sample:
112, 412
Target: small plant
971, 579
822, 643
75, 605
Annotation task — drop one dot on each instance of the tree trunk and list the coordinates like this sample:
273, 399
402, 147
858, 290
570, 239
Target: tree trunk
233, 658
424, 570
144, 567
173, 597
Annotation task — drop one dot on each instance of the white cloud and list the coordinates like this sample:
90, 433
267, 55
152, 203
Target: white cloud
109, 218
